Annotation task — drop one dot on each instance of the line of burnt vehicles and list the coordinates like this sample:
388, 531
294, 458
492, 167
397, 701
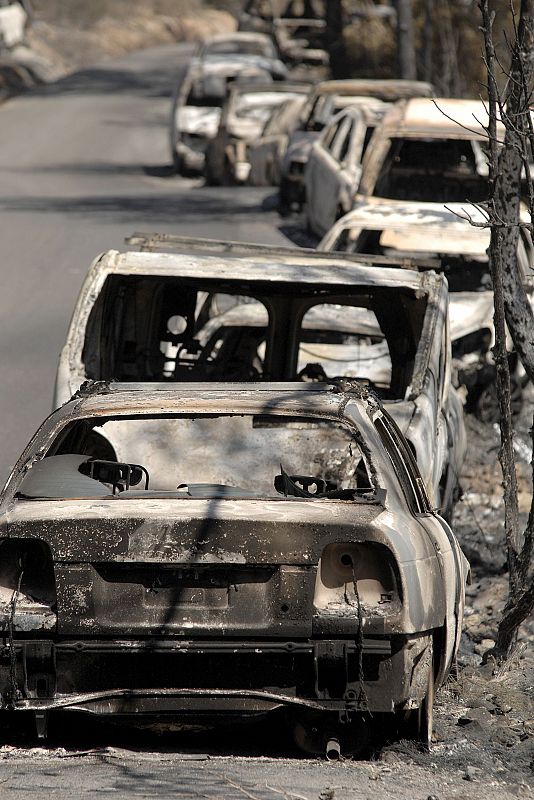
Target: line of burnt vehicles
240, 505
377, 166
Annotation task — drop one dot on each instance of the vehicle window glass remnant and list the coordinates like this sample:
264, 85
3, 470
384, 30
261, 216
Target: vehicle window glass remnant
221, 456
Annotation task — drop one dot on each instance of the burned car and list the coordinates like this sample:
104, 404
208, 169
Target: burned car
265, 154
243, 46
429, 150
246, 109
403, 228
324, 101
188, 555
197, 103
218, 311
298, 32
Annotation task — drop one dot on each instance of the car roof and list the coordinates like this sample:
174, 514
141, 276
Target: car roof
300, 267
388, 90
440, 117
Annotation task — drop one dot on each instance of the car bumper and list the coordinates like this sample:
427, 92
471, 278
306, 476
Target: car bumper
201, 677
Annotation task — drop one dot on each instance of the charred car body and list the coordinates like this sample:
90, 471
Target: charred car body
324, 101
196, 109
299, 34
244, 114
325, 586
266, 153
422, 230
218, 311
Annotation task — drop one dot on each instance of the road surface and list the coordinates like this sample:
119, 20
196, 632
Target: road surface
84, 163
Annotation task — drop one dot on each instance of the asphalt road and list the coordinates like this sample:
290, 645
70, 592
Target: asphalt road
84, 163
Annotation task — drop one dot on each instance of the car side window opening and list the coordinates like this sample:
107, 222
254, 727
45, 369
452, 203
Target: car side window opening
265, 455
367, 341
345, 143
207, 92
161, 329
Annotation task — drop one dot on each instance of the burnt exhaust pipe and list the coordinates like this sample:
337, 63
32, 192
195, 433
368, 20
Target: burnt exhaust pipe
333, 750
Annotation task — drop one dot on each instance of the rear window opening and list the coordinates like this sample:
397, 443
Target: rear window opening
245, 456
159, 329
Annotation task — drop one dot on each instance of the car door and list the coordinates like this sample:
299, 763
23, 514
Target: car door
350, 164
322, 175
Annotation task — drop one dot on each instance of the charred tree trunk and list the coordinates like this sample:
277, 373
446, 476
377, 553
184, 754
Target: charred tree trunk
513, 158
406, 39
510, 298
428, 41
334, 41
